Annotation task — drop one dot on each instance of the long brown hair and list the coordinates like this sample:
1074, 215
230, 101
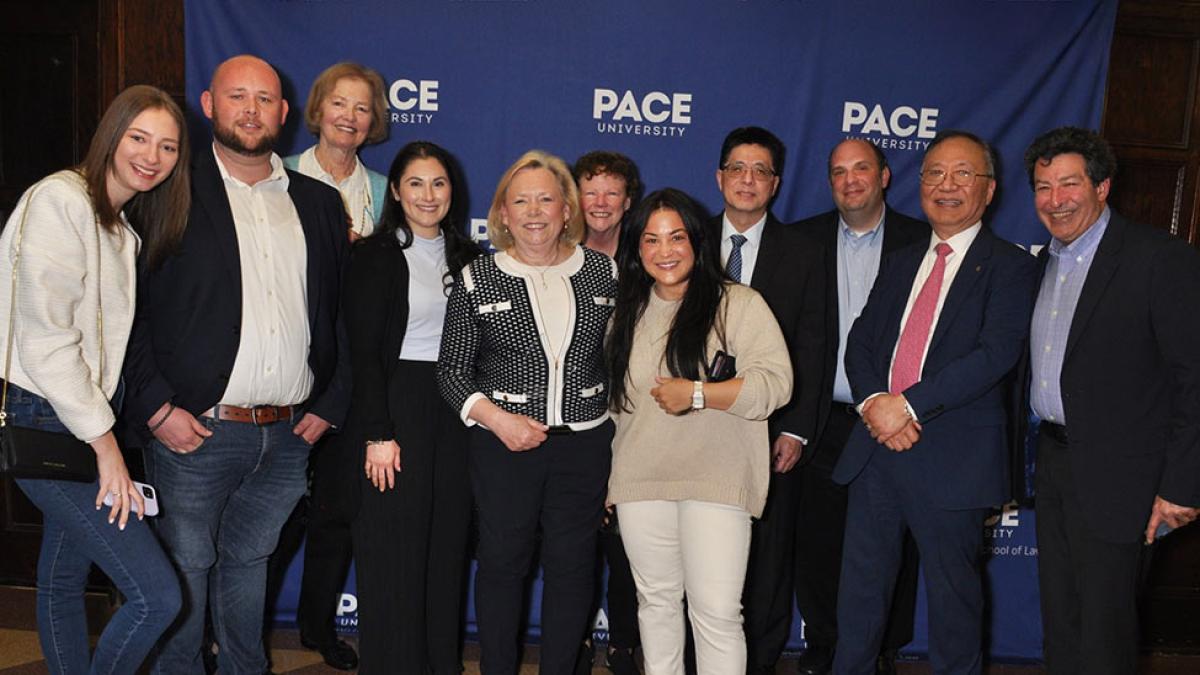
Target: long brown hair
158, 215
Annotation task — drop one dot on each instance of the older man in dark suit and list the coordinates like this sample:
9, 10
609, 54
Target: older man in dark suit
855, 236
930, 362
1115, 379
233, 366
786, 267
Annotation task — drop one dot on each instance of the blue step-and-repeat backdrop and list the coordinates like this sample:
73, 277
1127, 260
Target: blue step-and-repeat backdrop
663, 81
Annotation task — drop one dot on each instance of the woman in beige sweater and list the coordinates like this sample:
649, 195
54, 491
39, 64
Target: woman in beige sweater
691, 454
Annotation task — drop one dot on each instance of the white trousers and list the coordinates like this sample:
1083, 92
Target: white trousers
697, 548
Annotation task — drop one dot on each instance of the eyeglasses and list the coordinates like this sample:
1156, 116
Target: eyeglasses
960, 177
758, 172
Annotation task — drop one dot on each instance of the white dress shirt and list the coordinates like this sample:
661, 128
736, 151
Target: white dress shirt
271, 367
753, 235
959, 244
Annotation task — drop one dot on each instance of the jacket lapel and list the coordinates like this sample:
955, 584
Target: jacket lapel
974, 267
769, 254
891, 235
907, 264
1104, 265
308, 210
209, 187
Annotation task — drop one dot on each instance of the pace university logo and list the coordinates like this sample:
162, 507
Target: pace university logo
652, 113
900, 128
413, 101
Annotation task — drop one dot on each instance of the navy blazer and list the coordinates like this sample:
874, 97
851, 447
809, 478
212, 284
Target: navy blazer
1130, 380
189, 311
961, 459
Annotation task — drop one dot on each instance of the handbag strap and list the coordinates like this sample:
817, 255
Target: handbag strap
12, 303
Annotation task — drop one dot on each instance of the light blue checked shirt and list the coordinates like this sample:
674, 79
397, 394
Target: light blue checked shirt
858, 258
1066, 271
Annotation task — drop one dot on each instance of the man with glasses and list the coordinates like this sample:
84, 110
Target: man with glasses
855, 236
786, 267
929, 362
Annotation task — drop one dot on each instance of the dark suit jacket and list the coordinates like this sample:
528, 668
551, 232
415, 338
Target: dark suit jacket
961, 460
189, 311
1131, 379
789, 273
375, 302
899, 231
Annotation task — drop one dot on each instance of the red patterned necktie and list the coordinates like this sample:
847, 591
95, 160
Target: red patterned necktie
906, 367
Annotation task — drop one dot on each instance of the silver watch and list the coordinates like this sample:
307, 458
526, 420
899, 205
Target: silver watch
697, 395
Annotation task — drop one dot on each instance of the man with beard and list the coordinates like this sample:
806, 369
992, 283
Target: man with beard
232, 371
856, 236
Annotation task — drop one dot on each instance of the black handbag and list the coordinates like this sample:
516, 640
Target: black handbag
36, 453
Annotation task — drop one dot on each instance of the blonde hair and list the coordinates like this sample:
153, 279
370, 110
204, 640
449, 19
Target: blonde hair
574, 228
324, 85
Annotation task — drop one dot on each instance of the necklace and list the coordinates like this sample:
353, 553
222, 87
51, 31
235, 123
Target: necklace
540, 269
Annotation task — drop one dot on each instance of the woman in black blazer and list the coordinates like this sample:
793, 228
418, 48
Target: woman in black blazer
410, 537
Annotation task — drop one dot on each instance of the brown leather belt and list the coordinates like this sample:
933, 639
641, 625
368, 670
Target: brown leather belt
258, 415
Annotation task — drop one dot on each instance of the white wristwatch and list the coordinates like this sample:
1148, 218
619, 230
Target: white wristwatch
697, 395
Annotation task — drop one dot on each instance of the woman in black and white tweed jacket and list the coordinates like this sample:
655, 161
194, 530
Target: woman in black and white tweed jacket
522, 362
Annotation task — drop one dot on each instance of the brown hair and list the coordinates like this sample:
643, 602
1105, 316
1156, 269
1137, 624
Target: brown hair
158, 215
574, 228
599, 162
328, 79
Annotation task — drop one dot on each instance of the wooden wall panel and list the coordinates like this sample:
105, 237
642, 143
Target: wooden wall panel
1152, 119
65, 60
1151, 72
1151, 191
51, 100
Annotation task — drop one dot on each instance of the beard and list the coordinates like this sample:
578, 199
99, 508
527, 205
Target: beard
227, 136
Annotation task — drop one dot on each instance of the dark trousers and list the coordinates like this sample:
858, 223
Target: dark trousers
329, 546
410, 541
881, 507
820, 528
558, 486
623, 630
767, 594
1089, 586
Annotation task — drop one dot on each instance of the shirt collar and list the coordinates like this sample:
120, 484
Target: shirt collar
1086, 243
753, 234
959, 242
309, 166
869, 235
278, 179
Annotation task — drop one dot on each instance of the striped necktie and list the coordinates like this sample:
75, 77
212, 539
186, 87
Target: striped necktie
733, 266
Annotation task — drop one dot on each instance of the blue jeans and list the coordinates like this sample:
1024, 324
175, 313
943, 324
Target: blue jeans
75, 535
222, 507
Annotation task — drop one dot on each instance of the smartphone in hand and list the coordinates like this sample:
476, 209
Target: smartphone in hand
149, 496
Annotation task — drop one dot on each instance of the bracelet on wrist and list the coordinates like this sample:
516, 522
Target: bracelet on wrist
163, 420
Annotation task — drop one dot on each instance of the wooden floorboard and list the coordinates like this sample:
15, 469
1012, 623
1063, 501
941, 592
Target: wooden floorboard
20, 653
